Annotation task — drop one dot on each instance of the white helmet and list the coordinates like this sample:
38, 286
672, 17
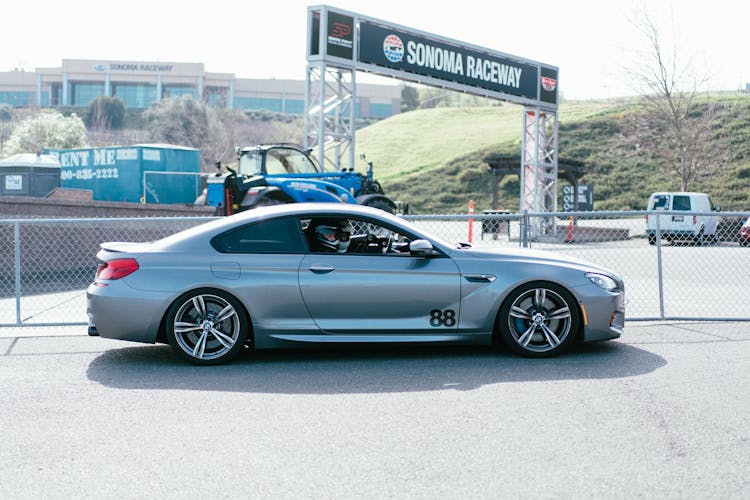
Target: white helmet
334, 238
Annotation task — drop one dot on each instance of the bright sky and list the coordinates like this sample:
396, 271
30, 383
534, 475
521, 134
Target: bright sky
587, 39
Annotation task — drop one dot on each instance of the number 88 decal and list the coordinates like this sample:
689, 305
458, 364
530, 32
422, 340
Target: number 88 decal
440, 318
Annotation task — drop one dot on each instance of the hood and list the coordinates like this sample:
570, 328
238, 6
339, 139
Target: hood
532, 255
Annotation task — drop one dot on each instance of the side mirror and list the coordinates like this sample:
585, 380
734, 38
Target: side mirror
421, 248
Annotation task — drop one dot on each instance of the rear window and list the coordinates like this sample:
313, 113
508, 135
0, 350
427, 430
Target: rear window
681, 203
661, 202
274, 236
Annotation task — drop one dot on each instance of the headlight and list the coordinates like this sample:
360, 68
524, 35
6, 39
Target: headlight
603, 281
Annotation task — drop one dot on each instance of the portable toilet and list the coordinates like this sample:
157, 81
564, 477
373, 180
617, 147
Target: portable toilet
29, 174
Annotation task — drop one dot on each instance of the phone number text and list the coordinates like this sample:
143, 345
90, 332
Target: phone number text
85, 174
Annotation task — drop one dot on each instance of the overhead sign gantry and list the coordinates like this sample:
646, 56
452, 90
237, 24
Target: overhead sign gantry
341, 43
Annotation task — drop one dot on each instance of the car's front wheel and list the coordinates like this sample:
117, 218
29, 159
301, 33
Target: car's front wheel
538, 319
207, 327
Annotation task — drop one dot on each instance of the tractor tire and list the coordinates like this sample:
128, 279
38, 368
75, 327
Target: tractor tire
381, 204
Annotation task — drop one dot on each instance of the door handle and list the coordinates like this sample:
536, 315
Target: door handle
480, 278
322, 269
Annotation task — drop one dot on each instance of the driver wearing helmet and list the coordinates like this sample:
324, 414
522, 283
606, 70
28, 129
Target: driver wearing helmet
332, 236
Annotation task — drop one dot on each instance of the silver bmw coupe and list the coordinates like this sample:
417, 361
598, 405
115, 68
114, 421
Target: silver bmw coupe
314, 273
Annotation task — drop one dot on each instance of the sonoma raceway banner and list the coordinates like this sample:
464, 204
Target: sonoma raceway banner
396, 49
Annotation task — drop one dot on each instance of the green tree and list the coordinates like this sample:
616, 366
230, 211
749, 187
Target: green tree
105, 113
47, 129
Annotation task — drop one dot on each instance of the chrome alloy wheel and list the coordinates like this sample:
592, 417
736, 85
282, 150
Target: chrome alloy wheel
539, 320
206, 327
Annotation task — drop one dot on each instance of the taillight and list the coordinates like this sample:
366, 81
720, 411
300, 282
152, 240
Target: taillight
695, 219
116, 269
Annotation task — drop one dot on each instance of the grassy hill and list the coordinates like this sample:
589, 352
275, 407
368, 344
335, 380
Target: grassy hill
435, 159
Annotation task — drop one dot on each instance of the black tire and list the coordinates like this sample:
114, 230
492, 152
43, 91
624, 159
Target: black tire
538, 319
652, 239
207, 326
381, 204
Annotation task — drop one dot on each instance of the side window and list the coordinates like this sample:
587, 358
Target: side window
276, 163
353, 236
681, 203
250, 163
299, 163
274, 236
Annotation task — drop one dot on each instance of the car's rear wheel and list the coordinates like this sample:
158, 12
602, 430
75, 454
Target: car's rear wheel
538, 319
207, 327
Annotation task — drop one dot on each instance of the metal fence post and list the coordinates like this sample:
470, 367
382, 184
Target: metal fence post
17, 258
525, 229
659, 267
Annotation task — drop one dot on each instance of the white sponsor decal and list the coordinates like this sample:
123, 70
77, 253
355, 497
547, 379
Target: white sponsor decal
151, 155
13, 182
127, 154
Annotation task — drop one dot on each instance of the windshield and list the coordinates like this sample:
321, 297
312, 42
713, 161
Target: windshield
288, 161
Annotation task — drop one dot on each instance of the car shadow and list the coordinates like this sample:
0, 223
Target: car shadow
364, 369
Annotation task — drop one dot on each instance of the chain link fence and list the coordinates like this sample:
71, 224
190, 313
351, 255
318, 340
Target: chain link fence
46, 265
676, 265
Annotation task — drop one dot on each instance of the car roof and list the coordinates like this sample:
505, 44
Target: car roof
313, 209
302, 210
683, 193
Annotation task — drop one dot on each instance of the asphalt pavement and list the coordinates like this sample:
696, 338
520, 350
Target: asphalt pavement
660, 413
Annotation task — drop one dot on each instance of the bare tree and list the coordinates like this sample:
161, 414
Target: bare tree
216, 132
676, 126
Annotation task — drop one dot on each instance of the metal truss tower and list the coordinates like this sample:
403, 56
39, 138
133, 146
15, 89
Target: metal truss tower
340, 43
330, 95
539, 169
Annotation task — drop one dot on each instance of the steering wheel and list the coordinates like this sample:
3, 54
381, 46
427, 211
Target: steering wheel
387, 243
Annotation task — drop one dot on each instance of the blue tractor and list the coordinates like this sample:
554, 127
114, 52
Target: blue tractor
271, 174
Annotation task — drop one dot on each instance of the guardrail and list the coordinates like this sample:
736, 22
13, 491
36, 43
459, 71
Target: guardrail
46, 265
